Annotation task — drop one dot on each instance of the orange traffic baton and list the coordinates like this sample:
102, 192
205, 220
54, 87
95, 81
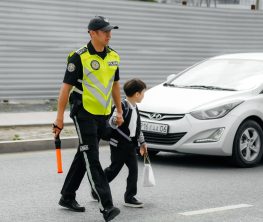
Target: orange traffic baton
58, 154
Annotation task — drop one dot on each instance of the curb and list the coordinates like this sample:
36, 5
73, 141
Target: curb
36, 145
33, 124
39, 144
14, 120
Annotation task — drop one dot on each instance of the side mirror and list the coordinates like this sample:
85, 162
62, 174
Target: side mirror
170, 77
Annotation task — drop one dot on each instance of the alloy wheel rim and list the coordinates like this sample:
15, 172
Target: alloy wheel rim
249, 144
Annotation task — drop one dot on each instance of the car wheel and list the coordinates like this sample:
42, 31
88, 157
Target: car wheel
248, 144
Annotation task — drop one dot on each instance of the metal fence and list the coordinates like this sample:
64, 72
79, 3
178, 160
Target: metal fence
154, 40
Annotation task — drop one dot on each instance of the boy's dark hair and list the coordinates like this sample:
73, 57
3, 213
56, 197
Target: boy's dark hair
133, 86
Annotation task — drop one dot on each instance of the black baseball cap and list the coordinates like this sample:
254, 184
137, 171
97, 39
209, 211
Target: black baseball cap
100, 23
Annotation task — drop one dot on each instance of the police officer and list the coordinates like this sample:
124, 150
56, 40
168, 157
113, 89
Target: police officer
93, 77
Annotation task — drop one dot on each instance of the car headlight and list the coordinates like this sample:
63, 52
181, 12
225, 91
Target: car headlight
215, 113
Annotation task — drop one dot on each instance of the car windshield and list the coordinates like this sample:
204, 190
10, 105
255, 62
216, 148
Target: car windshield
222, 74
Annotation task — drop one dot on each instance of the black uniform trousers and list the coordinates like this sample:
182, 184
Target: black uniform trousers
124, 154
90, 129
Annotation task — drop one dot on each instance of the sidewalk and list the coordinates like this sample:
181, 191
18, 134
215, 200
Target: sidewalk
28, 120
31, 118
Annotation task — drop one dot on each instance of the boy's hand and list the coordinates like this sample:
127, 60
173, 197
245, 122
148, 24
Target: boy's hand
143, 149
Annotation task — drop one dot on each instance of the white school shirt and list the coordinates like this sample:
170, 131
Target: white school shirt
133, 121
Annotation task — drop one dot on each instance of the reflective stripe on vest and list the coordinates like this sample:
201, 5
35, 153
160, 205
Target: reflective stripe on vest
97, 81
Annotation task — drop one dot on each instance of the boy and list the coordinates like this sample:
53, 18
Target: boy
125, 139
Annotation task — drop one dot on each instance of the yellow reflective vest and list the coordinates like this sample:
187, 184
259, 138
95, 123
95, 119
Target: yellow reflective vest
98, 78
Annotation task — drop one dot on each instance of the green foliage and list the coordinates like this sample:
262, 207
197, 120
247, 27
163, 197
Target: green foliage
16, 137
54, 108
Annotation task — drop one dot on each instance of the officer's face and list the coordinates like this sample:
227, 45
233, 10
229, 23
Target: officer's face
102, 37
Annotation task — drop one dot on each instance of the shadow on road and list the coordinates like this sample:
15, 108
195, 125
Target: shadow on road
193, 161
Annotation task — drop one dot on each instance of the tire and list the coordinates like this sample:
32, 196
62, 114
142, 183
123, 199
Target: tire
248, 144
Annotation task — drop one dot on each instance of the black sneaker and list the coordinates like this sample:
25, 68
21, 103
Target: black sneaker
110, 213
133, 202
94, 196
71, 204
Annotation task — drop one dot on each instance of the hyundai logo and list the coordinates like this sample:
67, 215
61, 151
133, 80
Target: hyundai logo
156, 116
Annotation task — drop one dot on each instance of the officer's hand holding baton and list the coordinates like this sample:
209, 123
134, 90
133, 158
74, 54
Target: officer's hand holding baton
57, 127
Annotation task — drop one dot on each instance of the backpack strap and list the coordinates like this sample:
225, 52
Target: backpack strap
126, 108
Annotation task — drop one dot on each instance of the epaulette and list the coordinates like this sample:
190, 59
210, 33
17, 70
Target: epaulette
110, 49
78, 52
81, 50
69, 55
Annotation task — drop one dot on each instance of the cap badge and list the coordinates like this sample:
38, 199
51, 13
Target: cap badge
95, 64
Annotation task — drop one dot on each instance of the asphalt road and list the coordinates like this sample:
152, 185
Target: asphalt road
189, 189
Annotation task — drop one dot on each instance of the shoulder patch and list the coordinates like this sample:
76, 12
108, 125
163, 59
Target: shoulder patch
81, 50
71, 67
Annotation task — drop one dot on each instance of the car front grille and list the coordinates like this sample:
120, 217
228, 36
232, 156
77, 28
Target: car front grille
168, 139
160, 116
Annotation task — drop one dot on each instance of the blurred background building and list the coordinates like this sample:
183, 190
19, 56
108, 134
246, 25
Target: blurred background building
238, 4
155, 39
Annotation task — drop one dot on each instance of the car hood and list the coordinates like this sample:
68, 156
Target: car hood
173, 100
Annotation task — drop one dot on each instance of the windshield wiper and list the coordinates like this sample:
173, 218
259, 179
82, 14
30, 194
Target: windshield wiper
168, 84
210, 87
173, 85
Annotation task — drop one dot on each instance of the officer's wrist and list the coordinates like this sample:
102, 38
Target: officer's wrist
119, 112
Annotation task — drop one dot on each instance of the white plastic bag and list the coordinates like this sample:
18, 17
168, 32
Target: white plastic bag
148, 179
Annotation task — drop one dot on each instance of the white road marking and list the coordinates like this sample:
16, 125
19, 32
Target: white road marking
211, 210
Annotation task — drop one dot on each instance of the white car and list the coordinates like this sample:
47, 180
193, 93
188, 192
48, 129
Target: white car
213, 108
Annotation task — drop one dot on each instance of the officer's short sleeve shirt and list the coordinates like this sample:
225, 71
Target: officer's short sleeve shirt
74, 69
